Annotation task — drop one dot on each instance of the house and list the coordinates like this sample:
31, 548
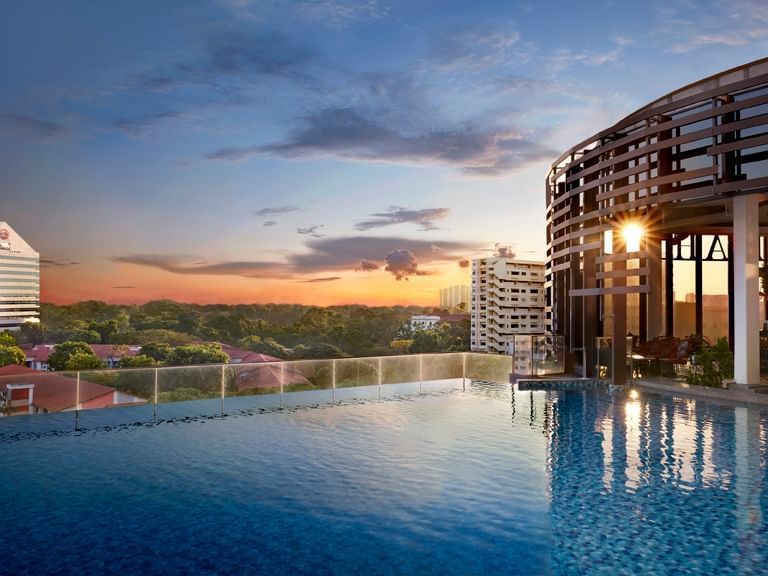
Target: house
111, 354
238, 356
27, 391
36, 356
430, 321
269, 377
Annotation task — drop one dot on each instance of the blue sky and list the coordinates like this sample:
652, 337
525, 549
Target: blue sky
322, 151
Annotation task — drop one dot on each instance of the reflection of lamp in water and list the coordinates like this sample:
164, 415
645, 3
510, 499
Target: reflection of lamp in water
633, 395
633, 233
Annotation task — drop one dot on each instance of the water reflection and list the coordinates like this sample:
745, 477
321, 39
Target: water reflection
649, 484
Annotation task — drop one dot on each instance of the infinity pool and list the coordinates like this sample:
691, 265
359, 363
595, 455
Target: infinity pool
482, 481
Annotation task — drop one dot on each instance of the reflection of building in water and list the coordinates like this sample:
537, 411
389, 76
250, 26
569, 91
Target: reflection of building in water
632, 481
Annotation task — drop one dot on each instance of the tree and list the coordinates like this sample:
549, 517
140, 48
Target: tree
7, 339
425, 341
138, 361
158, 351
266, 346
106, 329
32, 332
318, 351
11, 355
197, 354
79, 360
62, 353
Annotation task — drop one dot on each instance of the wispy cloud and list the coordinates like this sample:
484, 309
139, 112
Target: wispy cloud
367, 266
325, 279
425, 218
350, 133
124, 287
311, 231
363, 252
276, 211
329, 13
725, 25
31, 127
140, 125
464, 263
46, 262
268, 223
185, 264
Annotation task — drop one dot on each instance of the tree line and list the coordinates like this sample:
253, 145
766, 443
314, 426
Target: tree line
176, 333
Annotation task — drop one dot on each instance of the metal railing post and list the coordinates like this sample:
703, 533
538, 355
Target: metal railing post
380, 359
222, 389
333, 380
154, 403
421, 370
77, 400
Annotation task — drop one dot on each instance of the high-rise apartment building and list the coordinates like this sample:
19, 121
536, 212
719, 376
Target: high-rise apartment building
507, 299
19, 280
453, 296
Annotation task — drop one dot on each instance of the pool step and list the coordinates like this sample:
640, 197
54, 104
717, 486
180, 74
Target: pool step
560, 383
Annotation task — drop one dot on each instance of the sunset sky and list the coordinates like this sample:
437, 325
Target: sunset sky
317, 151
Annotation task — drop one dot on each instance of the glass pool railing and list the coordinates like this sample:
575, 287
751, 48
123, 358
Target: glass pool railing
119, 396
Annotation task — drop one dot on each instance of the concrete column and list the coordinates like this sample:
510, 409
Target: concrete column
746, 235
654, 284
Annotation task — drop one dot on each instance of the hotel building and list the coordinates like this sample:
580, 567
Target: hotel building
19, 280
676, 191
507, 299
453, 296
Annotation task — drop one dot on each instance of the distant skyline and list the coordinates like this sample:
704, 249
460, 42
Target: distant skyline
317, 151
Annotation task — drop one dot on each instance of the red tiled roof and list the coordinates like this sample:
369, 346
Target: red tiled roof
52, 392
38, 352
104, 351
268, 376
236, 354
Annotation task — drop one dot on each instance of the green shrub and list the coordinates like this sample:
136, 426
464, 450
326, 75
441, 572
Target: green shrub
713, 365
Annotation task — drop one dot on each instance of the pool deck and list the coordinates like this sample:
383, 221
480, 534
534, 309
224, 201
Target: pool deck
667, 385
741, 396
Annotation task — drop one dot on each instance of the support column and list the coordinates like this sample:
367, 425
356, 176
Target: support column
654, 285
669, 282
746, 234
619, 307
696, 246
731, 308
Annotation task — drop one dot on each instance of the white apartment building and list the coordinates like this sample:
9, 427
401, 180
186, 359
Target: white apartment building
507, 299
19, 280
451, 297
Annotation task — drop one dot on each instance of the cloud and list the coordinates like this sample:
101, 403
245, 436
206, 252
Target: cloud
124, 287
396, 215
268, 223
276, 211
482, 48
341, 13
311, 231
31, 127
367, 266
143, 124
464, 263
503, 251
349, 252
349, 133
329, 13
46, 262
326, 279
402, 264
724, 25
723, 39
268, 53
185, 264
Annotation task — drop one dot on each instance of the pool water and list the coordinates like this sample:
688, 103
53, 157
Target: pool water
482, 481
